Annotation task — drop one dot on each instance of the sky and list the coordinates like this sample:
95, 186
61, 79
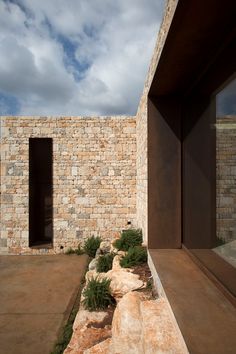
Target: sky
75, 57
226, 100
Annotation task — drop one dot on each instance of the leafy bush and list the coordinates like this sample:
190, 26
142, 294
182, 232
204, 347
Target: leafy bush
135, 256
97, 295
129, 238
105, 262
91, 245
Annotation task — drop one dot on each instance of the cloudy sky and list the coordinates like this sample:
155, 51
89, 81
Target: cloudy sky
75, 57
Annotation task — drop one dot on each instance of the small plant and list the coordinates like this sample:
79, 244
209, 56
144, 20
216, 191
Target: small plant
220, 241
105, 262
70, 251
97, 295
149, 285
91, 245
135, 256
129, 238
77, 251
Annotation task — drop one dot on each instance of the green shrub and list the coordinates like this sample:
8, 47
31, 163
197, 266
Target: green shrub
105, 262
149, 285
70, 251
97, 295
77, 251
129, 238
91, 245
219, 241
135, 256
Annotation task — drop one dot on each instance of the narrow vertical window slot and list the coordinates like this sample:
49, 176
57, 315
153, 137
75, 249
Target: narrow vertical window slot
40, 193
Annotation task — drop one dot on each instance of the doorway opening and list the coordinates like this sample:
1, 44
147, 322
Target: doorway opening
40, 193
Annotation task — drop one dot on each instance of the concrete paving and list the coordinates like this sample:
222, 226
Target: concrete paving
205, 317
36, 296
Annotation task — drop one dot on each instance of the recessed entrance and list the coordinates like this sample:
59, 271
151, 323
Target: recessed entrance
40, 192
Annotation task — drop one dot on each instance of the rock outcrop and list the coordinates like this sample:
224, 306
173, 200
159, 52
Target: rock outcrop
142, 327
89, 328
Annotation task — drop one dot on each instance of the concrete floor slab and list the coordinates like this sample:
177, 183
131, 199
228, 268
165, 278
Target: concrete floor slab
36, 297
205, 317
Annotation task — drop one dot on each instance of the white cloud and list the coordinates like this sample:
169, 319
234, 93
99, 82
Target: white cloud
77, 57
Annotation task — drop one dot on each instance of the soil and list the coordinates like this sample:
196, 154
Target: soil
145, 275
143, 271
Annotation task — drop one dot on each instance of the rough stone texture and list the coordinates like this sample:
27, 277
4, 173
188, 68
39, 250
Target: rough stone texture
100, 348
144, 327
87, 330
116, 263
105, 247
93, 264
127, 326
94, 178
139, 326
123, 281
226, 178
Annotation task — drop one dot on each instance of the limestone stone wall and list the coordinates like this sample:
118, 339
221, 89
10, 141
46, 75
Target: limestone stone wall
94, 178
226, 178
142, 133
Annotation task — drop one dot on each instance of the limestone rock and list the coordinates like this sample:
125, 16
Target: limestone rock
105, 247
85, 317
98, 253
123, 282
113, 248
93, 264
100, 348
88, 330
127, 326
145, 327
116, 263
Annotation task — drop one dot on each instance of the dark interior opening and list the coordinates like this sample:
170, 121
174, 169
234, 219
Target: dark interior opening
40, 192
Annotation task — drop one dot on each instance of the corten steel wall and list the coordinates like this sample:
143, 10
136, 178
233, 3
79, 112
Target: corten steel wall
164, 174
142, 124
94, 178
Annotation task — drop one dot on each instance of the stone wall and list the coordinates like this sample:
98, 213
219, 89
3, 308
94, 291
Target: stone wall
94, 178
226, 178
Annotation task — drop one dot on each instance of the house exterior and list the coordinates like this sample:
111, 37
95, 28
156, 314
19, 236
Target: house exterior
93, 181
170, 171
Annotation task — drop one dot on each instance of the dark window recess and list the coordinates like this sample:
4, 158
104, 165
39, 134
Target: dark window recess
40, 192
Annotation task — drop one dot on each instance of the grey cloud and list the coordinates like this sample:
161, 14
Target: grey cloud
116, 38
20, 76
